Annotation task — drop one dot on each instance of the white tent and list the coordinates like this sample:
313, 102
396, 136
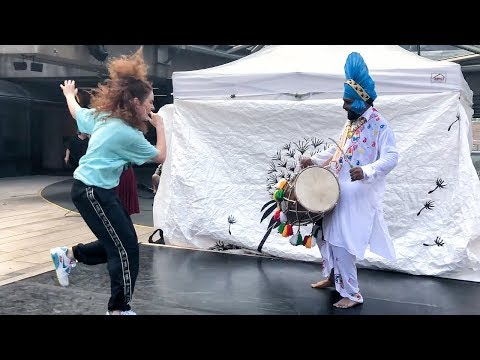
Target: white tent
229, 126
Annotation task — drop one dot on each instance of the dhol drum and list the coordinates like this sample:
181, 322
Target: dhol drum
310, 195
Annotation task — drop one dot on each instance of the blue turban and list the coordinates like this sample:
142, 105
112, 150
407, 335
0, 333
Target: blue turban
357, 70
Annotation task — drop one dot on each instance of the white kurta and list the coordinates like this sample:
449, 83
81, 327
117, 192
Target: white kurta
357, 221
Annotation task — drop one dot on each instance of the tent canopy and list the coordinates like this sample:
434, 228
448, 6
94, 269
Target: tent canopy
319, 69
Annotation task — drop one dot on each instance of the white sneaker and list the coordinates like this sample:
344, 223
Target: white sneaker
63, 264
126, 312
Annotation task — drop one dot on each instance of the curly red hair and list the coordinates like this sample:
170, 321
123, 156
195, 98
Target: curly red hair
128, 80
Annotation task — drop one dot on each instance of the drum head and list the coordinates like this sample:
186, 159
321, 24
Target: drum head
317, 189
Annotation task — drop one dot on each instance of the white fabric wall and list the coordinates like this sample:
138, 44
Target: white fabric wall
219, 153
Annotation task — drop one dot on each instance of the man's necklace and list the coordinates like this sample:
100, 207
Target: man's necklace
350, 130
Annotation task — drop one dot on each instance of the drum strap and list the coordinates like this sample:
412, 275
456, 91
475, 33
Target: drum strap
338, 153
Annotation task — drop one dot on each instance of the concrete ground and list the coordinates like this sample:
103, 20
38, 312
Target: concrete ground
30, 226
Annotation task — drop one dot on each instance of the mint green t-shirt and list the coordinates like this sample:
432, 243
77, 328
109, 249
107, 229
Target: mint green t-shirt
112, 144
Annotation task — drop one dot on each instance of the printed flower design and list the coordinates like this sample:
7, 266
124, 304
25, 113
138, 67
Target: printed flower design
349, 153
438, 241
440, 184
231, 220
339, 280
428, 205
283, 162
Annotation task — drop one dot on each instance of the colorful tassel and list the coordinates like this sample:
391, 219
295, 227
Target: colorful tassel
278, 195
281, 227
299, 239
281, 184
288, 230
283, 217
307, 241
293, 240
276, 215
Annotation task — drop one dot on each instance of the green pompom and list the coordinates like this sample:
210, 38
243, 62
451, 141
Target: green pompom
278, 195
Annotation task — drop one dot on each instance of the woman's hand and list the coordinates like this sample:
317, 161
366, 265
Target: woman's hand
155, 119
69, 88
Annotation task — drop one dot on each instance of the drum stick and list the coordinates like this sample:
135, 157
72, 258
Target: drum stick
344, 156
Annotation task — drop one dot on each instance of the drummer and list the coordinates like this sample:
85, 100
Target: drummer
368, 153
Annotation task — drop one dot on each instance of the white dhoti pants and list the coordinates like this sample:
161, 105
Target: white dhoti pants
344, 270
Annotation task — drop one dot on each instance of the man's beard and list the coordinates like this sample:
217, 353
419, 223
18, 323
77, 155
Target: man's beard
352, 115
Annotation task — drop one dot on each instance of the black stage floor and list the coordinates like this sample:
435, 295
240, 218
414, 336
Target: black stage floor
174, 281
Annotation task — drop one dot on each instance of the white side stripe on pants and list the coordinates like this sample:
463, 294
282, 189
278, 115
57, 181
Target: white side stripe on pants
127, 283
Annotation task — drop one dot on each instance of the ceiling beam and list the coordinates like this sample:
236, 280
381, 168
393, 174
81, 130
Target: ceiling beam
208, 51
236, 48
471, 48
256, 48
